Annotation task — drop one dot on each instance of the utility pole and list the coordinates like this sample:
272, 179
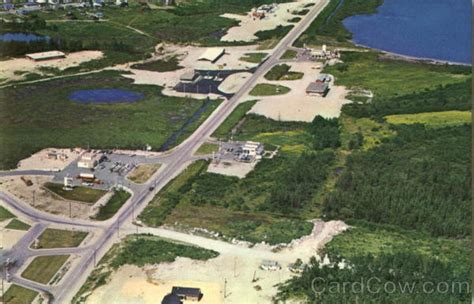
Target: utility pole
225, 288
70, 209
34, 201
235, 265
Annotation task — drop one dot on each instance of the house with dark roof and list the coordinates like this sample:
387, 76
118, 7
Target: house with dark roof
171, 298
317, 88
187, 293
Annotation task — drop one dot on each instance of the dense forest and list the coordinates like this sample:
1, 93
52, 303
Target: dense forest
419, 179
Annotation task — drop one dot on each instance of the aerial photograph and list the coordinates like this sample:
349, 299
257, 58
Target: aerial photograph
235, 151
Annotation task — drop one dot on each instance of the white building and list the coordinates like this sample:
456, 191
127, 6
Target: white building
252, 149
270, 265
212, 54
88, 161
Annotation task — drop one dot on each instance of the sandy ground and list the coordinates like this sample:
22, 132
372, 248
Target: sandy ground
234, 82
13, 68
9, 237
237, 265
40, 160
231, 168
43, 199
188, 59
249, 25
297, 105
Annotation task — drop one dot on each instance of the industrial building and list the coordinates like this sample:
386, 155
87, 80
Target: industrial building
46, 55
212, 54
88, 161
251, 150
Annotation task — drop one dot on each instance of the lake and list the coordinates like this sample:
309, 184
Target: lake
434, 29
108, 96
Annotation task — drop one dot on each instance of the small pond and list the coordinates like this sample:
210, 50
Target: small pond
107, 96
22, 37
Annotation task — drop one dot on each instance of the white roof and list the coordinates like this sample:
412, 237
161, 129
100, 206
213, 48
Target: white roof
45, 55
212, 54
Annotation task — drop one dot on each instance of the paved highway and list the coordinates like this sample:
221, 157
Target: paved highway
178, 160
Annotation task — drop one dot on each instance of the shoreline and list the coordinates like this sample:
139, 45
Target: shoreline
409, 58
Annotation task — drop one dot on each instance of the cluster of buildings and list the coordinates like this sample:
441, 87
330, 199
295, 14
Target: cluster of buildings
178, 294
37, 5
324, 53
261, 11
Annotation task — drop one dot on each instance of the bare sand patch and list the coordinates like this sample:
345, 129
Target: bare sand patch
50, 159
142, 173
231, 168
13, 69
249, 25
297, 105
36, 196
9, 237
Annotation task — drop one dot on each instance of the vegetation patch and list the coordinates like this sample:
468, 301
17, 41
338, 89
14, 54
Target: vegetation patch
225, 129
142, 173
162, 65
253, 57
265, 89
207, 148
79, 193
16, 294
282, 72
139, 250
5, 214
56, 238
17, 225
43, 268
432, 119
289, 54
117, 200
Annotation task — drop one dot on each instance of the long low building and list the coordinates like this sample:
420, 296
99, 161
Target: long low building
317, 88
212, 54
46, 55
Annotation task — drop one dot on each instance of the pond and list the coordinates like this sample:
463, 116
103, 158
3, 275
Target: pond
22, 37
107, 96
435, 29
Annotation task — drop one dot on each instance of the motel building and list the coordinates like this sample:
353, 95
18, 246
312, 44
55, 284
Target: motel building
46, 55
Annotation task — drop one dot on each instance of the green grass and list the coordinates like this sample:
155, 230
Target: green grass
432, 119
5, 214
171, 64
19, 295
282, 72
373, 132
253, 57
142, 173
56, 238
138, 250
113, 205
17, 225
264, 89
81, 194
289, 54
295, 19
43, 268
237, 115
207, 148
47, 118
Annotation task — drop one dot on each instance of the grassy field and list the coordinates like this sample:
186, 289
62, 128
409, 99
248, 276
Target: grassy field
19, 295
47, 118
17, 225
264, 89
113, 205
5, 214
373, 133
432, 119
237, 115
289, 54
80, 194
143, 172
56, 238
282, 72
207, 148
253, 57
43, 268
170, 64
138, 250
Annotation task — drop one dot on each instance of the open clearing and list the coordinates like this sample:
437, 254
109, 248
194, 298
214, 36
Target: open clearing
432, 119
231, 168
56, 238
15, 69
43, 268
297, 105
41, 161
81, 194
142, 173
16, 294
10, 236
236, 263
249, 26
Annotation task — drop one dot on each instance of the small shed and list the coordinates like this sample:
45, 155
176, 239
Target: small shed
187, 293
171, 298
270, 265
317, 88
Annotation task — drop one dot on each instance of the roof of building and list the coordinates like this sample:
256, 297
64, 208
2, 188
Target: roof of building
212, 54
270, 263
189, 76
187, 291
317, 87
171, 298
45, 55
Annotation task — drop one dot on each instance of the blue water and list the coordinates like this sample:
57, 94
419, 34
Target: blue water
99, 96
435, 29
22, 37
